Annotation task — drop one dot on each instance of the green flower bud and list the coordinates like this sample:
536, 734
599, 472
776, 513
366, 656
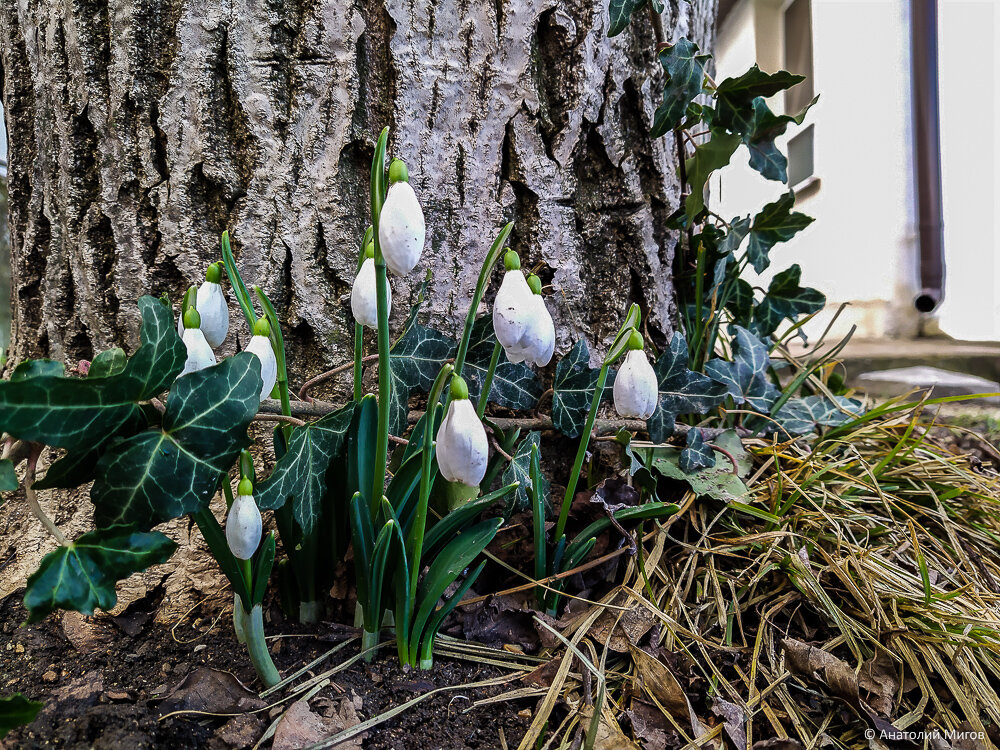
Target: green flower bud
245, 487
191, 318
511, 260
635, 340
534, 283
398, 171
370, 249
459, 389
261, 327
213, 273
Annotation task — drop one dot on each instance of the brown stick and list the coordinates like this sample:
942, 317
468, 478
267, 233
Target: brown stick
324, 376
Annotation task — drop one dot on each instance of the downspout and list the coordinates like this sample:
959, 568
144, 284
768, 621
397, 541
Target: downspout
927, 153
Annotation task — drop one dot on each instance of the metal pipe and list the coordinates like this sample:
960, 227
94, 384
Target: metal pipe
927, 153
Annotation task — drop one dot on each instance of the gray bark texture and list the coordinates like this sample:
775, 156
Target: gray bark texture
140, 129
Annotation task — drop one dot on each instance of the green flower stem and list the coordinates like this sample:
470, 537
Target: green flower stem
260, 657
488, 382
236, 281
278, 344
359, 330
581, 452
381, 286
227, 492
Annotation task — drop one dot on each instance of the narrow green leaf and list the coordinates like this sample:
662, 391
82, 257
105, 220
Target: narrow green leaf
445, 529
16, 711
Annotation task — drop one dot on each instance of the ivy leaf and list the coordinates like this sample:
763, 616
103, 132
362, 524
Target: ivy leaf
738, 230
801, 415
685, 72
573, 390
785, 299
165, 473
515, 386
37, 368
620, 13
745, 377
414, 362
17, 711
8, 477
764, 128
735, 96
719, 482
107, 363
77, 412
697, 455
681, 390
775, 223
300, 474
519, 470
707, 157
81, 576
740, 304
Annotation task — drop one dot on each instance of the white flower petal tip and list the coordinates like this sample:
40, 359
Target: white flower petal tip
244, 527
462, 447
522, 322
261, 347
636, 389
401, 230
199, 353
364, 299
211, 305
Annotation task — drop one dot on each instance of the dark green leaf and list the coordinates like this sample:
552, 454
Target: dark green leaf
301, 472
515, 386
619, 14
681, 390
745, 377
82, 576
800, 416
685, 71
17, 711
697, 455
740, 302
785, 299
735, 96
165, 473
707, 157
414, 362
107, 363
8, 477
78, 412
775, 223
519, 469
443, 531
719, 482
738, 230
765, 127
573, 390
37, 368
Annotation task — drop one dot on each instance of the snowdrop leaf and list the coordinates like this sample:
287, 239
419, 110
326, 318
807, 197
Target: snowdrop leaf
785, 299
697, 455
81, 576
42, 405
775, 223
681, 391
519, 470
515, 386
174, 469
685, 71
745, 377
300, 474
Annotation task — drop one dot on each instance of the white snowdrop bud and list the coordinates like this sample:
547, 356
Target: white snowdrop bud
636, 388
539, 341
401, 230
243, 523
462, 449
260, 345
364, 300
210, 302
199, 353
512, 308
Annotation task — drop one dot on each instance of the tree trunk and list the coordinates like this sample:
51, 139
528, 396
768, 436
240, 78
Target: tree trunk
140, 129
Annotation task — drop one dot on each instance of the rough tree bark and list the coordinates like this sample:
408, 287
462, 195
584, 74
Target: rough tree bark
140, 129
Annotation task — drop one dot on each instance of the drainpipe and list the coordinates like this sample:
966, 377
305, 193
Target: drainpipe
927, 152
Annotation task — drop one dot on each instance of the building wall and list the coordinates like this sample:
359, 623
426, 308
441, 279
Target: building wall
862, 249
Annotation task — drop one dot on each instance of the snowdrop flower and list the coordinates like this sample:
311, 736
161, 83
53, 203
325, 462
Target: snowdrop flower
364, 300
210, 303
199, 353
401, 228
243, 524
636, 388
260, 345
462, 448
521, 321
539, 339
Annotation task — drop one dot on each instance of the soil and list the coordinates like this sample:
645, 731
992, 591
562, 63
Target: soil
104, 680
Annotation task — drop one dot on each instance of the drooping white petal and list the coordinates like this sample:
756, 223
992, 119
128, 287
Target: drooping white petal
211, 305
199, 353
512, 312
636, 388
401, 230
462, 447
261, 346
539, 340
364, 300
243, 527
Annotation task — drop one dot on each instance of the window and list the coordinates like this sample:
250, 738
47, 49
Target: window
799, 59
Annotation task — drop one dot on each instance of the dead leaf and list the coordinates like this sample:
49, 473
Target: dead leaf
734, 722
500, 621
651, 727
543, 674
661, 684
622, 630
609, 734
880, 677
212, 691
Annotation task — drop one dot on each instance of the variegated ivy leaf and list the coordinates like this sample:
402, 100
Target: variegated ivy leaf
81, 576
801, 415
519, 470
515, 386
745, 377
685, 70
697, 455
172, 470
300, 474
414, 361
620, 12
775, 223
573, 389
785, 299
40, 404
8, 478
735, 96
682, 391
765, 126
720, 481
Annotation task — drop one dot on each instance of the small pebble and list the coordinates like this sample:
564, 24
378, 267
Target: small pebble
19, 649
200, 647
50, 676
